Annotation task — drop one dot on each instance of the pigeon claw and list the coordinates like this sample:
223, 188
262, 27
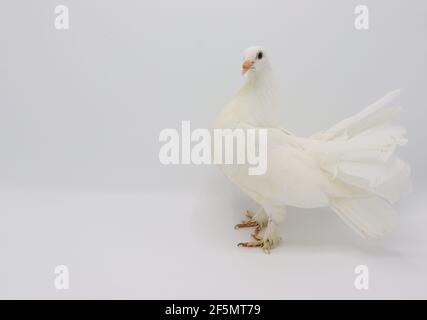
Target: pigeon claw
266, 245
255, 234
246, 224
249, 223
251, 244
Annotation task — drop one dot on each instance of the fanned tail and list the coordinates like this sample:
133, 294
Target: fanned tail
375, 114
360, 152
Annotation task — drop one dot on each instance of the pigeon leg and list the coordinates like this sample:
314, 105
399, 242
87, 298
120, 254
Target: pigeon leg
269, 240
265, 243
257, 220
250, 214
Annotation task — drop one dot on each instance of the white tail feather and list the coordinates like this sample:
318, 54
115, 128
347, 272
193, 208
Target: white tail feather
359, 152
369, 117
370, 217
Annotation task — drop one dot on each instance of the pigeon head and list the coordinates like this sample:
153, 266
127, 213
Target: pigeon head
254, 60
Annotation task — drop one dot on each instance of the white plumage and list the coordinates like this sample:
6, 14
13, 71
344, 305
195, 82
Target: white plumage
350, 167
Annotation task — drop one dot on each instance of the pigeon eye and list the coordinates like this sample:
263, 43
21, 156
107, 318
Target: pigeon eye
259, 56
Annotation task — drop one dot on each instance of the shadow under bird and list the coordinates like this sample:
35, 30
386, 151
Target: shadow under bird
350, 167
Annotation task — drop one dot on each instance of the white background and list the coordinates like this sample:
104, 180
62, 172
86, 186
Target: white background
80, 115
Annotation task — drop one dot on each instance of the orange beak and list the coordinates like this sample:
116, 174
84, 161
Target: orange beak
246, 66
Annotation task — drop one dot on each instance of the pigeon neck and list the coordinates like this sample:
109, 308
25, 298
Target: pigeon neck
260, 78
259, 90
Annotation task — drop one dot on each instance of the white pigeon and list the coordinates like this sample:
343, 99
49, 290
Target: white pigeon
350, 167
